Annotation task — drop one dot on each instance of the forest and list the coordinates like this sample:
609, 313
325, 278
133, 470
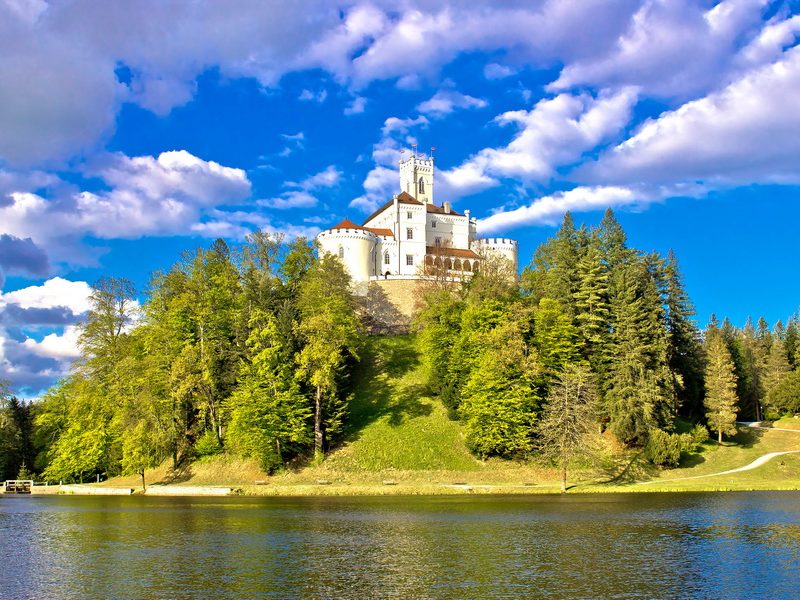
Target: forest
250, 351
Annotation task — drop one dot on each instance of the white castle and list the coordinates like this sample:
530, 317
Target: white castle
410, 236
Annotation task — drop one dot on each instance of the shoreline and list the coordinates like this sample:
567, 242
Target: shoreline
356, 490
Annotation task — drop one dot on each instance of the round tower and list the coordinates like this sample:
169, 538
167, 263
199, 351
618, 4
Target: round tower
505, 247
354, 247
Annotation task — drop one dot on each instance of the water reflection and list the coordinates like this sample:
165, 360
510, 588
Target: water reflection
648, 545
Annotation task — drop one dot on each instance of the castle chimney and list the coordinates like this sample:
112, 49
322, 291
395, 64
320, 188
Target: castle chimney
447, 207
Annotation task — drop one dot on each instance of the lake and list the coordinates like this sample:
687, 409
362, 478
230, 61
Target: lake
724, 545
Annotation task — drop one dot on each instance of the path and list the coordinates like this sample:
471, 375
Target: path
753, 465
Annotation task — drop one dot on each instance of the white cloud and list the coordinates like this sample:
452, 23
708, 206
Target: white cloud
357, 106
749, 132
309, 96
326, 178
290, 199
497, 71
446, 101
556, 132
670, 49
52, 293
299, 194
62, 346
396, 125
147, 196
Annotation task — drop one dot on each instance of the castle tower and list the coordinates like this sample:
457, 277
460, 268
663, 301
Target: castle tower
416, 177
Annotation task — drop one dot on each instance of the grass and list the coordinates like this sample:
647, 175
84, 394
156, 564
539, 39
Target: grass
400, 441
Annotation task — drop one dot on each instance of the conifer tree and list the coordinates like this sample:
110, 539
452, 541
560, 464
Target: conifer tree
753, 361
684, 349
792, 341
568, 423
776, 370
592, 305
720, 400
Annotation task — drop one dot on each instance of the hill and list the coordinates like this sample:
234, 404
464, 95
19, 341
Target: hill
400, 440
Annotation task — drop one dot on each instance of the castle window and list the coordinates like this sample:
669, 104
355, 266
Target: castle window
438, 241
410, 260
386, 259
341, 252
409, 234
433, 223
409, 215
421, 185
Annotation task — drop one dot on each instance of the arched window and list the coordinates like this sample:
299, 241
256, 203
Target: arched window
387, 259
457, 265
448, 264
341, 252
421, 185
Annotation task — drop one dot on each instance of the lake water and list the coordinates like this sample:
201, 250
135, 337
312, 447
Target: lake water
728, 545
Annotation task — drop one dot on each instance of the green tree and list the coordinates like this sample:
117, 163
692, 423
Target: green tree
776, 370
567, 428
555, 337
501, 395
720, 400
784, 398
592, 305
330, 332
269, 415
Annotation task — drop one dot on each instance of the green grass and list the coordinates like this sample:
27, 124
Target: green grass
394, 423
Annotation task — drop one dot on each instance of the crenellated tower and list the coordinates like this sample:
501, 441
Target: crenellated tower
416, 177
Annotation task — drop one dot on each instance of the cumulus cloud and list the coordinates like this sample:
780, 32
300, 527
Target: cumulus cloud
145, 195
18, 255
556, 132
357, 106
53, 293
300, 193
746, 133
59, 346
671, 49
497, 71
446, 101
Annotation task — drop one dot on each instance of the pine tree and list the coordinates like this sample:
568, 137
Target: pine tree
720, 399
792, 341
753, 362
592, 306
567, 427
776, 370
684, 350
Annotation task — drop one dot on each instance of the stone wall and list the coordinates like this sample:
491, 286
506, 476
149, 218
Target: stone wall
390, 304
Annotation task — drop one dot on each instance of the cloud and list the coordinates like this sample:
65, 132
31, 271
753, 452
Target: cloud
556, 132
18, 255
62, 346
494, 71
53, 293
309, 96
396, 125
145, 195
299, 194
745, 133
670, 49
446, 101
356, 107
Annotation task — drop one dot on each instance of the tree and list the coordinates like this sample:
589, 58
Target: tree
330, 332
720, 400
684, 349
269, 413
784, 398
568, 424
776, 370
501, 395
592, 306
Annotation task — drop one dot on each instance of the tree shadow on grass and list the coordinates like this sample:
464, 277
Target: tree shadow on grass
181, 474
747, 437
379, 391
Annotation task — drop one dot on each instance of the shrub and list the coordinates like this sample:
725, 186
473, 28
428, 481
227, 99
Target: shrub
207, 445
664, 449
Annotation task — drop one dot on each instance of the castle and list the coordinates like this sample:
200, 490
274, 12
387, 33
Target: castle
410, 237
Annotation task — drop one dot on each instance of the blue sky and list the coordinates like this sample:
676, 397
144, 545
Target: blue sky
130, 132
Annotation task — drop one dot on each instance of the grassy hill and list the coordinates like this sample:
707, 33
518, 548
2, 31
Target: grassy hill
400, 440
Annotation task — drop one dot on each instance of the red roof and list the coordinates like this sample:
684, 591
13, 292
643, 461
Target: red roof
432, 208
402, 198
445, 251
348, 224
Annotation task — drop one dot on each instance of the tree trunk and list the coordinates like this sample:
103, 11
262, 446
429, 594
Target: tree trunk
144, 486
719, 431
318, 424
563, 476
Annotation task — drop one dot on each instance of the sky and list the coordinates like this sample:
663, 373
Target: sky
132, 131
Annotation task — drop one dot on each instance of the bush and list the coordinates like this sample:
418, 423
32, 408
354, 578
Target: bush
699, 437
207, 445
664, 449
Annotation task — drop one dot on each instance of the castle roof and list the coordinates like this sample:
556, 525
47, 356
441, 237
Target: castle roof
406, 198
446, 251
348, 224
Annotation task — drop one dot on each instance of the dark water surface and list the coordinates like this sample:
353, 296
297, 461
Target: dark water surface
729, 545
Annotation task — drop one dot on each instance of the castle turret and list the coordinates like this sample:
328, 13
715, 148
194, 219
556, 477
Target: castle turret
505, 247
416, 178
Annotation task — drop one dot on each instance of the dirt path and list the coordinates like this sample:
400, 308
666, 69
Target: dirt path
753, 465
